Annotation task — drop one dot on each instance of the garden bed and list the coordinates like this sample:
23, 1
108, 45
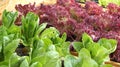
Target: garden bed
50, 40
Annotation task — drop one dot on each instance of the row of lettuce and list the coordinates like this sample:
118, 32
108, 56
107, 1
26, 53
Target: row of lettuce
103, 2
47, 47
106, 2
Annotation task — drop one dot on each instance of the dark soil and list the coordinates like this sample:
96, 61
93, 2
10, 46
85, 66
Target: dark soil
22, 50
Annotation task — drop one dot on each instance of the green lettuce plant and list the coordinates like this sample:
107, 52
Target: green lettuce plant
30, 28
106, 2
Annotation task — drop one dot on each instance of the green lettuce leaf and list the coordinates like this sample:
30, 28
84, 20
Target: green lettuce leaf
31, 28
50, 33
24, 63
86, 39
72, 61
109, 44
87, 61
78, 46
36, 64
8, 18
